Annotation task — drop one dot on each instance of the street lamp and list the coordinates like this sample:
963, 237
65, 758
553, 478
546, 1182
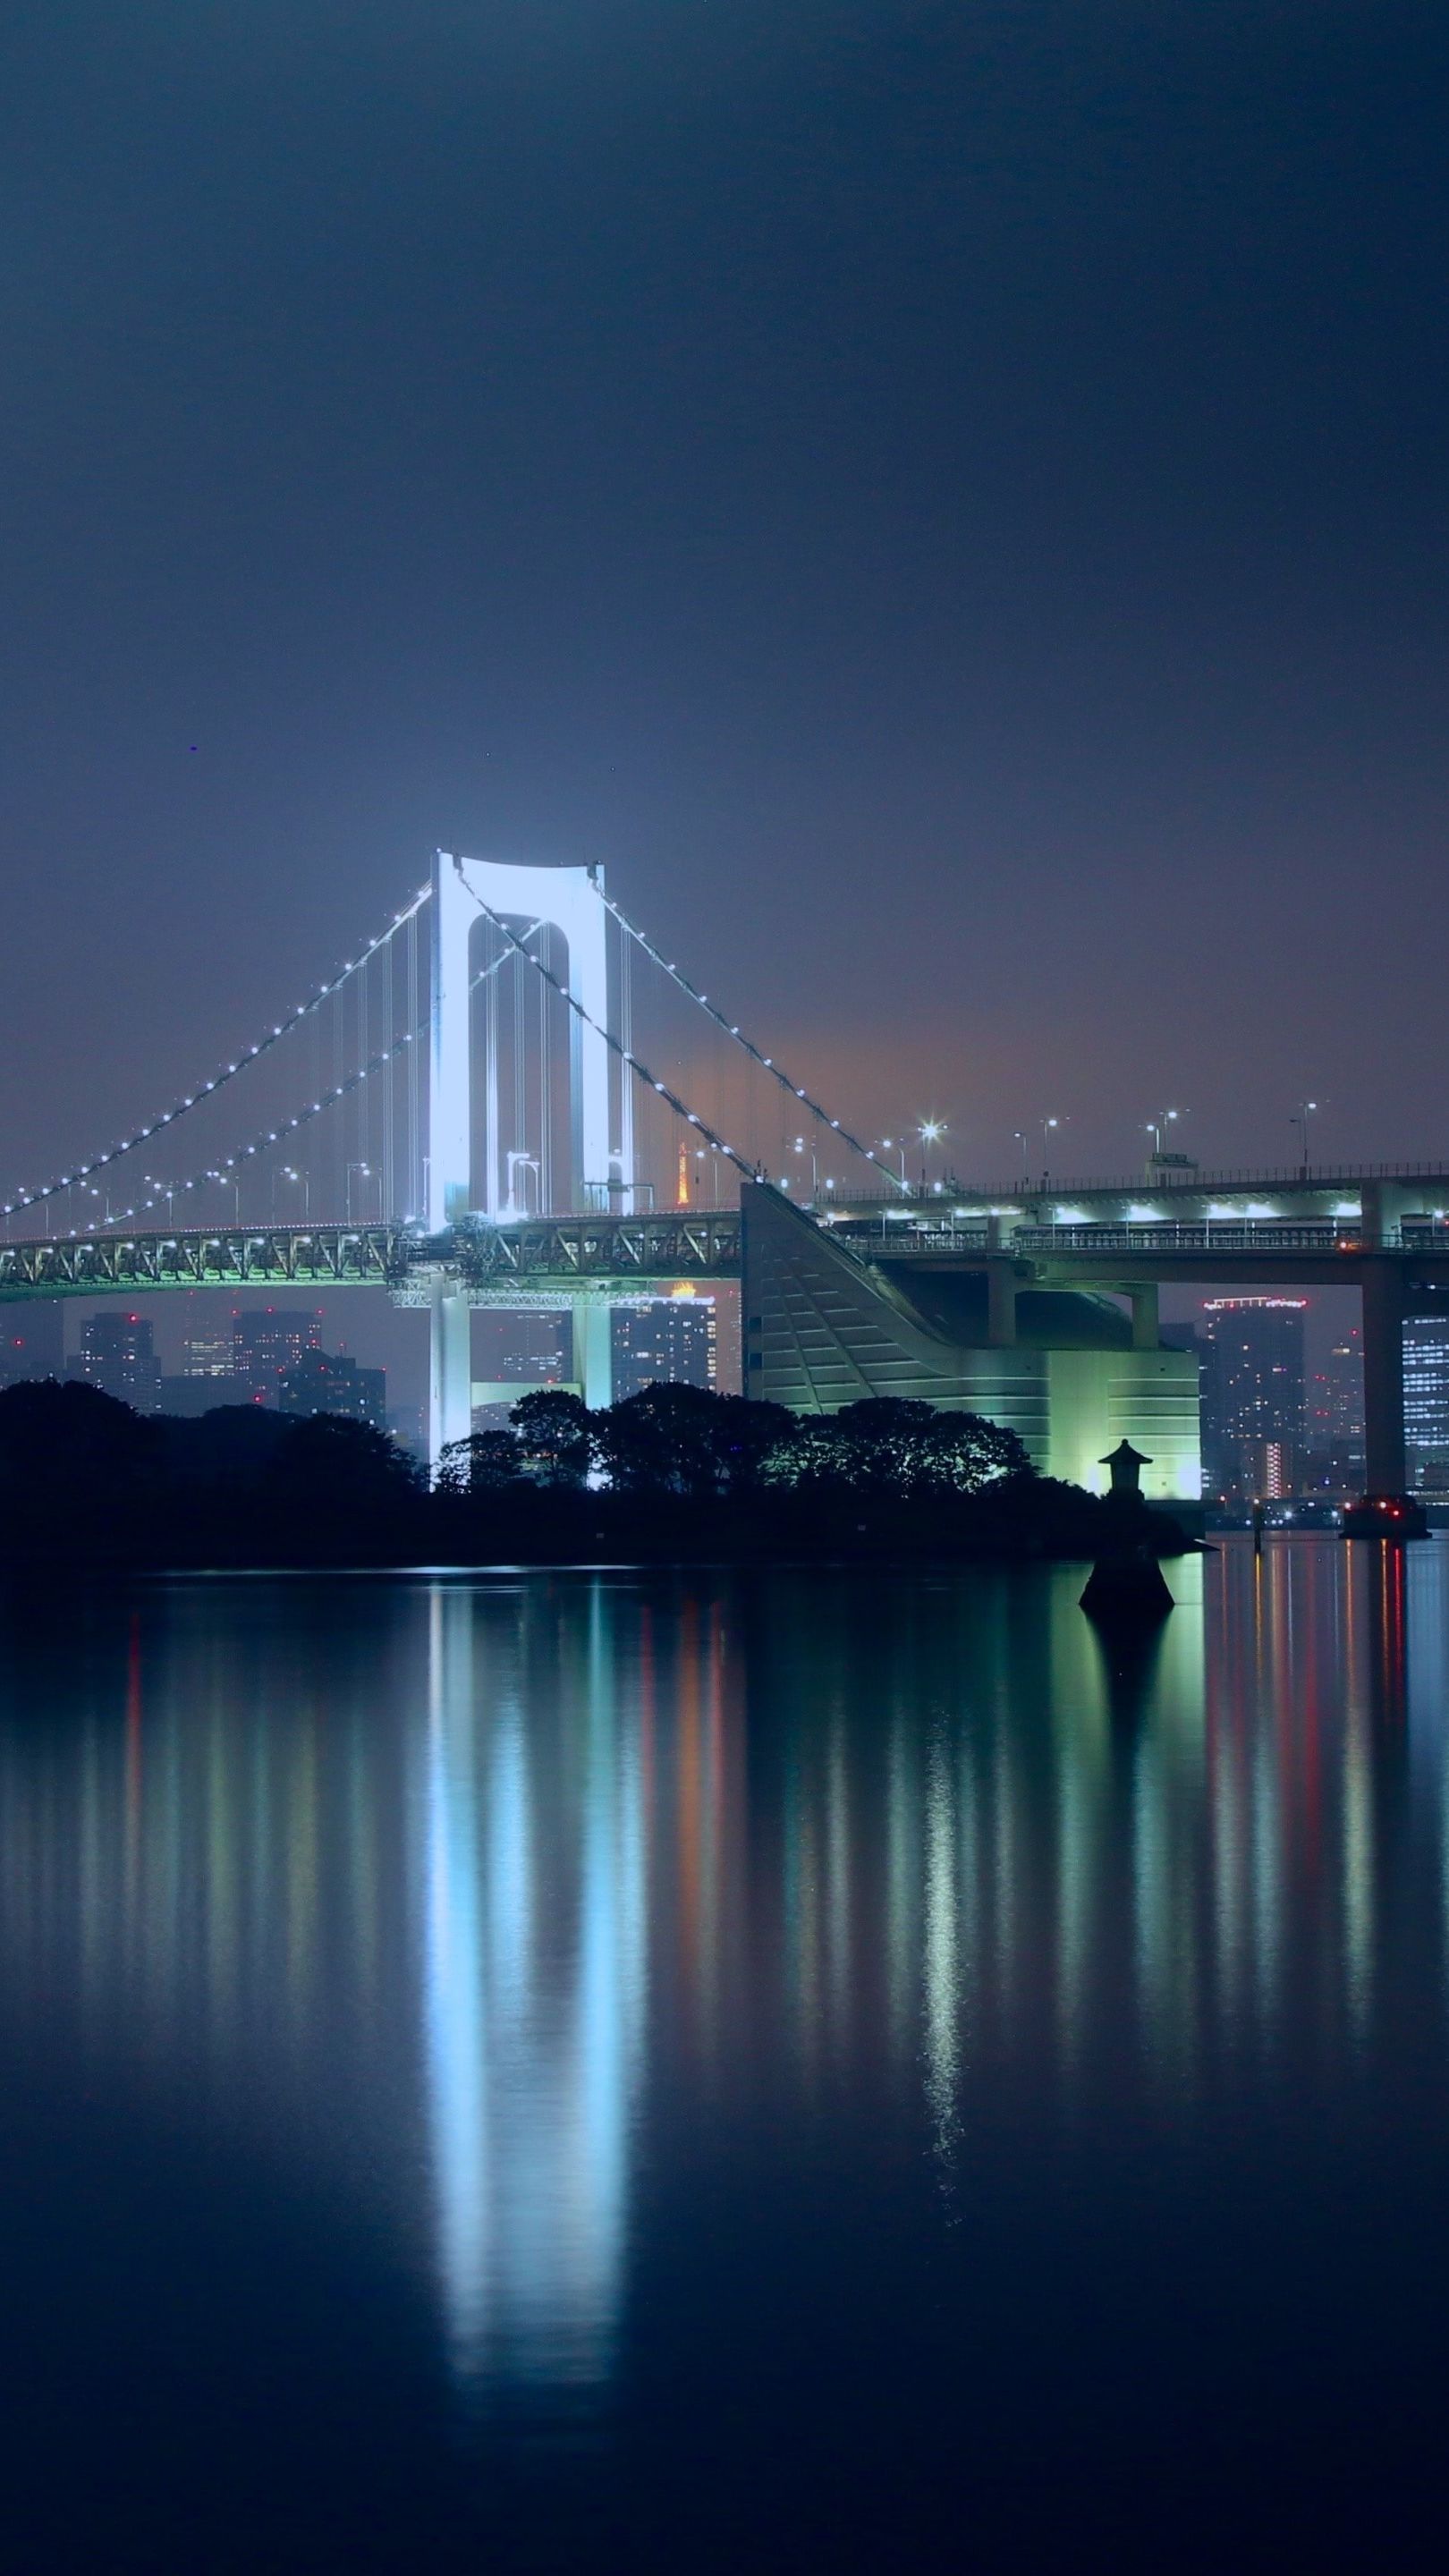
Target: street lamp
1157, 1128
930, 1131
898, 1147
1047, 1125
800, 1148
304, 1183
1305, 1110
366, 1171
1018, 1138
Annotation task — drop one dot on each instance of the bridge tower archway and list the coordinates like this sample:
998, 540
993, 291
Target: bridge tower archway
567, 899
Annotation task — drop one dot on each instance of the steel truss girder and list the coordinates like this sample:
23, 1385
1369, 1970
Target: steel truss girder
228, 1257
532, 1262
681, 1245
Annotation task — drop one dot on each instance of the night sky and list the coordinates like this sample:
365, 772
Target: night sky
946, 501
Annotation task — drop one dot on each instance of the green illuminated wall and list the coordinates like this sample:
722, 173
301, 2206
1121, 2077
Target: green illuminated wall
821, 1330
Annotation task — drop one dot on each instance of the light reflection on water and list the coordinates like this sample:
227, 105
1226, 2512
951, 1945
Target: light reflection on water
510, 1905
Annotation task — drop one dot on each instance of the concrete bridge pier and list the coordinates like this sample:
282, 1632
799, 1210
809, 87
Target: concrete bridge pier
1001, 1304
1146, 1320
450, 1370
593, 1324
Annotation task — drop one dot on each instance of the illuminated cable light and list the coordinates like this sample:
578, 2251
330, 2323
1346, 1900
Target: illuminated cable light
69, 1180
650, 951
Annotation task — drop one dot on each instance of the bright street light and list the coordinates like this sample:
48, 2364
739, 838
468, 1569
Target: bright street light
930, 1131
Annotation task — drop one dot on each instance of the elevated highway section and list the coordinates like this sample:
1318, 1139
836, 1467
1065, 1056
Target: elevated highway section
1382, 1229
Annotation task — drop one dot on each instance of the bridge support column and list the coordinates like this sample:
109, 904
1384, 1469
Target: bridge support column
1001, 1305
1385, 1461
1146, 1333
450, 1372
593, 1325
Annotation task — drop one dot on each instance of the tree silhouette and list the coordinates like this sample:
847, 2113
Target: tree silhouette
687, 1440
555, 1434
62, 1438
901, 1448
482, 1464
328, 1460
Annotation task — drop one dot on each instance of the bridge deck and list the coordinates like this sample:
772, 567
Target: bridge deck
565, 1255
560, 1253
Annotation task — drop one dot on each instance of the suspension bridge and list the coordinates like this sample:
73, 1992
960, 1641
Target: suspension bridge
485, 1105
511, 1095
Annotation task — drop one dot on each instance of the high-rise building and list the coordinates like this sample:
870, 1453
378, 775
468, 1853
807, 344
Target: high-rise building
1426, 1402
664, 1341
32, 1341
209, 1354
1334, 1458
327, 1382
267, 1344
516, 1348
116, 1355
1252, 1395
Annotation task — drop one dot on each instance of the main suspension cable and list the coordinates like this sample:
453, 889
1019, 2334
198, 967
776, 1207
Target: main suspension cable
232, 1163
625, 1054
767, 1063
207, 1090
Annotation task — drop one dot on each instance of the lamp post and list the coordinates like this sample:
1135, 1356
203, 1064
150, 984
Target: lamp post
366, 1171
1018, 1138
802, 1148
1305, 1110
1047, 1125
930, 1131
1157, 1127
887, 1147
304, 1183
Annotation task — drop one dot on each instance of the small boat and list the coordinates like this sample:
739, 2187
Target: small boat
1391, 1516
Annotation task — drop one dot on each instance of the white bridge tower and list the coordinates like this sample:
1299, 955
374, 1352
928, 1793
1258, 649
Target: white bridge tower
465, 1176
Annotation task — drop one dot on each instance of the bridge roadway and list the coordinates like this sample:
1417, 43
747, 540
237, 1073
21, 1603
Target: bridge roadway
1268, 1227
1383, 1231
562, 1257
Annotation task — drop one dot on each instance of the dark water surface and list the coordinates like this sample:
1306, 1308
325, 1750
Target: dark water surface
726, 2072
